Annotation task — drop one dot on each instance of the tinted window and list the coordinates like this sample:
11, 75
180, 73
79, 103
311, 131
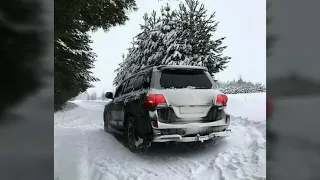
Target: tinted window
147, 80
119, 90
129, 87
184, 78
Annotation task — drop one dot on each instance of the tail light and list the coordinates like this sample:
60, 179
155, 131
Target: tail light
221, 100
154, 100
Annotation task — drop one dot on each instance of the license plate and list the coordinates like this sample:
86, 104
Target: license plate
191, 110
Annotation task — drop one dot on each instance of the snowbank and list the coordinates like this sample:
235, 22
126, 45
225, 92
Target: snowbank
251, 106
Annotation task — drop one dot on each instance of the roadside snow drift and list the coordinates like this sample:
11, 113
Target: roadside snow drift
84, 151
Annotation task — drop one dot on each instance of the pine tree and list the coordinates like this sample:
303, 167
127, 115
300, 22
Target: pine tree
240, 80
127, 67
73, 56
72, 67
176, 37
194, 44
151, 41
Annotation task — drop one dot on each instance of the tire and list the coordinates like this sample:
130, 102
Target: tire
106, 124
131, 137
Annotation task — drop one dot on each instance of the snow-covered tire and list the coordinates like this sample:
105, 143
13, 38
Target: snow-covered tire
131, 137
106, 124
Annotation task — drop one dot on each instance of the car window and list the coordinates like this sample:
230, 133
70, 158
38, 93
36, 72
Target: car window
181, 78
138, 83
129, 87
147, 80
119, 90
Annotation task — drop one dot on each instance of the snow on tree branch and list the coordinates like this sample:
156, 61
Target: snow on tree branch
176, 37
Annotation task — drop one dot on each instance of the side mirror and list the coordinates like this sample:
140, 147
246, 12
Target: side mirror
109, 95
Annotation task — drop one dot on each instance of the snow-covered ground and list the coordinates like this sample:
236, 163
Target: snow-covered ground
84, 151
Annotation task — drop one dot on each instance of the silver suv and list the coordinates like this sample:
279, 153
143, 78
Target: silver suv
167, 103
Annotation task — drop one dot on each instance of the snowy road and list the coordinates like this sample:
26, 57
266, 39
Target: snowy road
84, 151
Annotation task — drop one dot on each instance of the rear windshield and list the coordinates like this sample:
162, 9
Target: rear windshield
185, 79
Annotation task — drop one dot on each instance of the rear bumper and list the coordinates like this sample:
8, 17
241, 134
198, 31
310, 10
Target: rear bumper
188, 132
179, 138
161, 125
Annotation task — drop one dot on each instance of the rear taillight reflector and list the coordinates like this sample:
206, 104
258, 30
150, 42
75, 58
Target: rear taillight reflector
221, 100
155, 123
154, 100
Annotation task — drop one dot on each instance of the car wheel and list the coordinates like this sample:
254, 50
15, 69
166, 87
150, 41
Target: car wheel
131, 137
106, 124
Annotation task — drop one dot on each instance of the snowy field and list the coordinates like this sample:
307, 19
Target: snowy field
83, 151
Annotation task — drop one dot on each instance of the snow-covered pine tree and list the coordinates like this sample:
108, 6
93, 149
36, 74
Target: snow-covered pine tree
127, 66
150, 40
170, 48
194, 43
120, 73
177, 37
144, 47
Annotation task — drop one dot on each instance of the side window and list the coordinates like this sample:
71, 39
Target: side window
119, 90
129, 86
138, 83
147, 80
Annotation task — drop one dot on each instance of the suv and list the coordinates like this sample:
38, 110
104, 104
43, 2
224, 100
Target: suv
167, 103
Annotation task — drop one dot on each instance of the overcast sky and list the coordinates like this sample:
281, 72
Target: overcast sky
242, 22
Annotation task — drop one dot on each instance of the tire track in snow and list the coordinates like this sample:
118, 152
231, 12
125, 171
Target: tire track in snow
245, 161
105, 158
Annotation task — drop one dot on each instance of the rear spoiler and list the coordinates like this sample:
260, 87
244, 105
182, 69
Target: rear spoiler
163, 67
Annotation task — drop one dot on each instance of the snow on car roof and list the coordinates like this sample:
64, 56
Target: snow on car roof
161, 67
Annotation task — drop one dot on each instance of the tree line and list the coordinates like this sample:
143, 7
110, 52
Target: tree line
228, 87
240, 86
73, 56
90, 96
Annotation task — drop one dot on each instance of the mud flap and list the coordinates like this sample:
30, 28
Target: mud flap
141, 141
